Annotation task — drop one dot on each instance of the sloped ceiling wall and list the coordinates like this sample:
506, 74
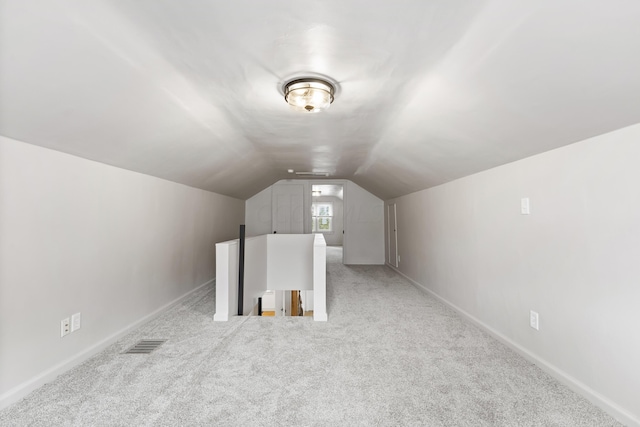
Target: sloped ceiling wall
428, 92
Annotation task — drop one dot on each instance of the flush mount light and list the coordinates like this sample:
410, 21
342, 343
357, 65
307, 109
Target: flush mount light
316, 193
309, 95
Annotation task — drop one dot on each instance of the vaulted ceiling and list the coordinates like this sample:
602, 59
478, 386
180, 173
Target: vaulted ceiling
427, 90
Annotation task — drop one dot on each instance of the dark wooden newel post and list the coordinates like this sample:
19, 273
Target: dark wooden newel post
241, 272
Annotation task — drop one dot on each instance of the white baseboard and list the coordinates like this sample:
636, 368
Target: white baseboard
17, 393
320, 317
220, 317
593, 396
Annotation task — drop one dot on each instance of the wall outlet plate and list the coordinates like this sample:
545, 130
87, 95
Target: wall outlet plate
65, 327
534, 320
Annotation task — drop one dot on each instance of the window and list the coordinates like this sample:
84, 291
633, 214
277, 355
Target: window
322, 217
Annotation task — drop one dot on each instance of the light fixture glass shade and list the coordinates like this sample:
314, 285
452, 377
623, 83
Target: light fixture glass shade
309, 95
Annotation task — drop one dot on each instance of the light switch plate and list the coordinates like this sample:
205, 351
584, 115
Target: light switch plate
75, 322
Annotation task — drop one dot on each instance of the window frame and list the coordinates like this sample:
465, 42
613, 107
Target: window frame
315, 218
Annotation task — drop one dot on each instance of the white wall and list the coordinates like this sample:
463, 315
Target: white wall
364, 226
258, 214
307, 300
363, 242
255, 270
574, 260
81, 236
290, 261
269, 301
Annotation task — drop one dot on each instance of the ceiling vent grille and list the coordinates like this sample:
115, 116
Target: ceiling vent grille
323, 174
145, 346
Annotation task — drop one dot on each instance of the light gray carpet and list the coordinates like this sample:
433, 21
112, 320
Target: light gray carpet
390, 355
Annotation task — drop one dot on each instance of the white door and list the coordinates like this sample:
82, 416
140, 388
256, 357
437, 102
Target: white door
392, 234
288, 209
280, 303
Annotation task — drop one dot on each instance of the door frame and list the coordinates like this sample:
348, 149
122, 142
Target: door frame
344, 230
392, 233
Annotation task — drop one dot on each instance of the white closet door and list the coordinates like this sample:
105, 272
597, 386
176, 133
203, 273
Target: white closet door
288, 209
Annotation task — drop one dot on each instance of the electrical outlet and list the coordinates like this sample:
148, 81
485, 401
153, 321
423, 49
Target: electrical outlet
525, 206
534, 320
75, 322
65, 327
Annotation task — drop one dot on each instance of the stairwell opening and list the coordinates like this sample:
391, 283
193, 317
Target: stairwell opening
292, 303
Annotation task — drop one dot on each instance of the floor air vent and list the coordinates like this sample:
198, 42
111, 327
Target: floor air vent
145, 346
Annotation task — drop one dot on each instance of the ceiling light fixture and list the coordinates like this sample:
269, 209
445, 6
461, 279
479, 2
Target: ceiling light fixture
309, 95
316, 193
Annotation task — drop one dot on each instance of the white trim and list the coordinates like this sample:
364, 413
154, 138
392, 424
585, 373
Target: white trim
395, 233
221, 317
320, 317
315, 217
17, 393
593, 396
319, 278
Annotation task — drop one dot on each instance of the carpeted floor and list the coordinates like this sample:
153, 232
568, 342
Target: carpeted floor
389, 355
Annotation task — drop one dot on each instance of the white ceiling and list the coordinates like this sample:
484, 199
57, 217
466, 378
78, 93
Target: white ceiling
428, 90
